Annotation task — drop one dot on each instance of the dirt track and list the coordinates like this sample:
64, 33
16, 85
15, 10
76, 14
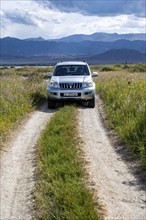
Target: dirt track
123, 196
17, 169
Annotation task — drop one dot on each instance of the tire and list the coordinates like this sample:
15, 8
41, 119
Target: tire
51, 104
91, 103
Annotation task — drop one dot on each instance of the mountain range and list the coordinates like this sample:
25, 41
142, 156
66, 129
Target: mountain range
95, 48
104, 37
95, 37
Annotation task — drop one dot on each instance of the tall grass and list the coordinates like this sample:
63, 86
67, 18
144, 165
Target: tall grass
118, 67
124, 95
60, 190
19, 95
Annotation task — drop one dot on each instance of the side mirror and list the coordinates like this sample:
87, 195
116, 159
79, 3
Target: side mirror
49, 75
94, 74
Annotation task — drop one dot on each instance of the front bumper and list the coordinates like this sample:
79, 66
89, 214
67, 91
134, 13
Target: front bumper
69, 94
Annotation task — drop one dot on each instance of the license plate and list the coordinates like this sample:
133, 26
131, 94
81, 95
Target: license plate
70, 94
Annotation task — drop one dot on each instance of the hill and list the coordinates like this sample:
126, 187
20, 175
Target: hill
97, 47
17, 47
117, 56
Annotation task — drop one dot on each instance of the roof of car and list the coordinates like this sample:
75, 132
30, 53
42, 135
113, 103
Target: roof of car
71, 63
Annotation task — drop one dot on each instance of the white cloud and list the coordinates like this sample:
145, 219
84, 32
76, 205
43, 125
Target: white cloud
99, 7
25, 19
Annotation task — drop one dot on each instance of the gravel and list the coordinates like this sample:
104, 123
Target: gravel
17, 168
118, 189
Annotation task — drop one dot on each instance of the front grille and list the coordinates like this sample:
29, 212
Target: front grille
70, 85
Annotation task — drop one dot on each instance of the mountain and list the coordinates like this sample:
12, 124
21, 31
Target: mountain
17, 47
35, 39
102, 37
117, 56
75, 47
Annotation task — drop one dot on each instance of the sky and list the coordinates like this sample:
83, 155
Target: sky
53, 19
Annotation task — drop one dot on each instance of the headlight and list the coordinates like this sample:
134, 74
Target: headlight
87, 84
53, 84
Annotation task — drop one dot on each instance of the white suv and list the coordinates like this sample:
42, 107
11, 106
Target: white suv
71, 81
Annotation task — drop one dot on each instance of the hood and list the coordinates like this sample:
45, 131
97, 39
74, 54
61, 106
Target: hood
68, 79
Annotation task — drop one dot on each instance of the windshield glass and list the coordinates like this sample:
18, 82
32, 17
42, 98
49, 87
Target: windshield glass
71, 70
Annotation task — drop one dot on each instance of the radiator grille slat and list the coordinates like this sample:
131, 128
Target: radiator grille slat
70, 85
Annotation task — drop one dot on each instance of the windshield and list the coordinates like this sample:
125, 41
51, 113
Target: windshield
71, 70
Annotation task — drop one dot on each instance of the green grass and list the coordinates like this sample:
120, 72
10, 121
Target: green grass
19, 95
124, 96
60, 190
119, 67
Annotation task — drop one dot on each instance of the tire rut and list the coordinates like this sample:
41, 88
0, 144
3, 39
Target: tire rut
17, 168
114, 184
116, 187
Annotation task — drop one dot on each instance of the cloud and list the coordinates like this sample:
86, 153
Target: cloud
31, 18
99, 7
20, 18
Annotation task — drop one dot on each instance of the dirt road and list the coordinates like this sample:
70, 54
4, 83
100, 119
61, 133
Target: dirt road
17, 169
120, 191
117, 188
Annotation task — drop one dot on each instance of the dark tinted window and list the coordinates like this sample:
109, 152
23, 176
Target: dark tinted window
71, 70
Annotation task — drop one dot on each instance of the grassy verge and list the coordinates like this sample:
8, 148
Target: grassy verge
60, 191
124, 95
22, 90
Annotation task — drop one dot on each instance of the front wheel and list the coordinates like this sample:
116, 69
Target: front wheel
91, 103
51, 104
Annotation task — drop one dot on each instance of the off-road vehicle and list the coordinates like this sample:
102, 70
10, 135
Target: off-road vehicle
71, 81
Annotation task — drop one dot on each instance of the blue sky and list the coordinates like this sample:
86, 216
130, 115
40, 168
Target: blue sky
58, 18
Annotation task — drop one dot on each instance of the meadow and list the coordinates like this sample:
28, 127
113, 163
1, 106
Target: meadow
121, 87
123, 91
22, 90
60, 191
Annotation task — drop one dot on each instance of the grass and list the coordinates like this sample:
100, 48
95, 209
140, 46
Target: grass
139, 68
124, 96
60, 190
22, 90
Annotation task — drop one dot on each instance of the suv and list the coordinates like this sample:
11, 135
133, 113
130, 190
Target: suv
71, 81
